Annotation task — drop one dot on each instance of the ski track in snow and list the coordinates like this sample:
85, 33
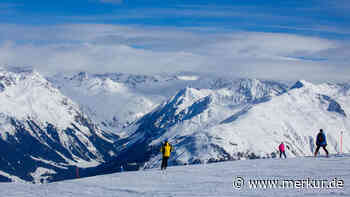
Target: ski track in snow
199, 180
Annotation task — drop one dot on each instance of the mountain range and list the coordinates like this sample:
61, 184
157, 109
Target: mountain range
51, 126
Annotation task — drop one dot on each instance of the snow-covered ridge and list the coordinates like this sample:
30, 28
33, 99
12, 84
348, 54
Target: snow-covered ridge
109, 98
45, 131
248, 119
207, 119
27, 94
117, 99
185, 118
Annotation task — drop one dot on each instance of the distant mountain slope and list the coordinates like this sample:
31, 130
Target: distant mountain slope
43, 134
248, 120
52, 125
110, 99
185, 118
294, 118
116, 100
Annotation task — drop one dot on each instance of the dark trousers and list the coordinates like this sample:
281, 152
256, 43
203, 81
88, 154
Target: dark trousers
284, 154
164, 163
318, 148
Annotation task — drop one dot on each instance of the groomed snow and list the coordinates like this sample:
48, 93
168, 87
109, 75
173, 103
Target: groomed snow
200, 180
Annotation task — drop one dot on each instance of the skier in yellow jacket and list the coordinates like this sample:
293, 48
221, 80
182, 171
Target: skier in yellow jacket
166, 150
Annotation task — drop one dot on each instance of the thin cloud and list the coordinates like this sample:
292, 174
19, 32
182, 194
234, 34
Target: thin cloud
230, 17
134, 49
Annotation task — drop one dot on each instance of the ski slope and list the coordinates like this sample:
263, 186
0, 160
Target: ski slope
201, 180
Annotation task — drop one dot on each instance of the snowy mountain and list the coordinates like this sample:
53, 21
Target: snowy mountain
116, 99
54, 124
43, 134
186, 117
246, 120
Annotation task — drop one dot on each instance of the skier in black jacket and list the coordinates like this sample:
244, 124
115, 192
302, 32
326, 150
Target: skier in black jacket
321, 142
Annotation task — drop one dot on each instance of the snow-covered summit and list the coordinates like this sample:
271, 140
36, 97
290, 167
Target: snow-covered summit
206, 118
248, 119
108, 98
117, 99
25, 93
45, 131
186, 117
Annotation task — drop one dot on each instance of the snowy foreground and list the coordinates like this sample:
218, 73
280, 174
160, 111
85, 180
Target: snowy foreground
203, 180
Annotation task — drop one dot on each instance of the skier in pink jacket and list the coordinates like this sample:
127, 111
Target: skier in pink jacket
282, 150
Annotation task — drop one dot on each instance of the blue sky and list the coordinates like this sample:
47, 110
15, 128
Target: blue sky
322, 17
249, 38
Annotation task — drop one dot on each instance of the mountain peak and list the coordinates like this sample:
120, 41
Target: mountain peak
300, 84
47, 128
10, 76
188, 95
